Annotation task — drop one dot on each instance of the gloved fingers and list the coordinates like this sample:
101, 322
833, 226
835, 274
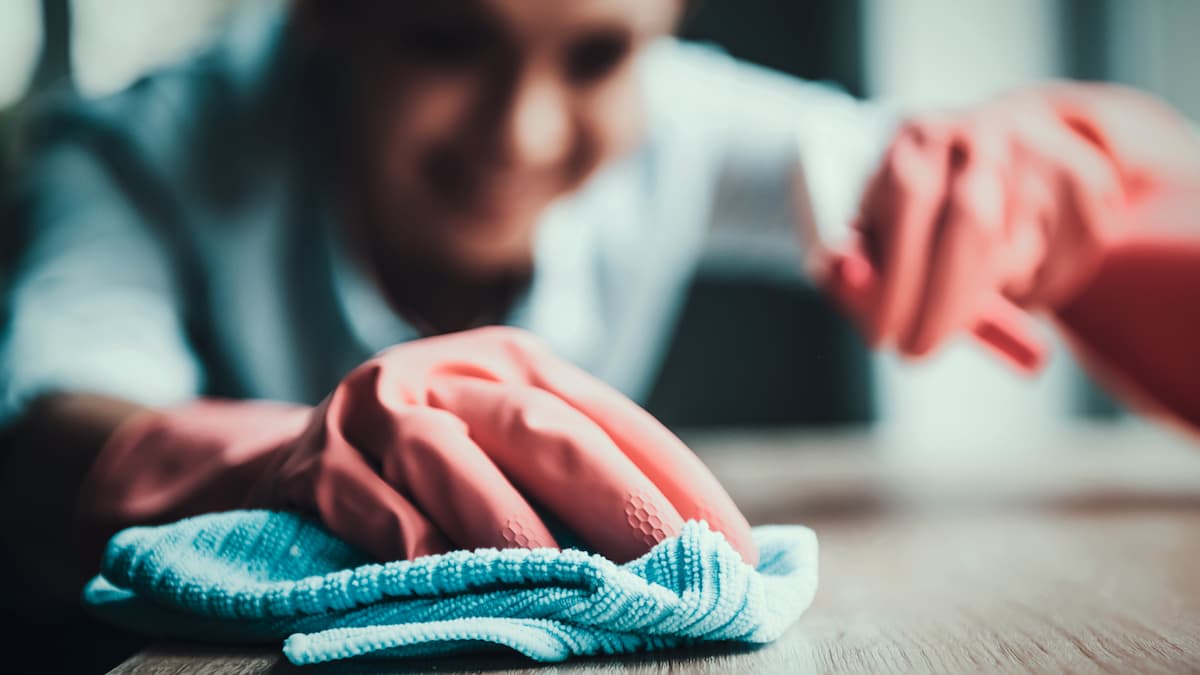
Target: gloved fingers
900, 206
967, 238
496, 353
1031, 213
1088, 195
358, 505
502, 354
657, 453
563, 462
432, 459
851, 284
1010, 333
427, 455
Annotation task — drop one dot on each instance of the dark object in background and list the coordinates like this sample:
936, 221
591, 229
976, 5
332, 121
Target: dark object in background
1086, 47
817, 40
1088, 53
760, 352
53, 69
54, 61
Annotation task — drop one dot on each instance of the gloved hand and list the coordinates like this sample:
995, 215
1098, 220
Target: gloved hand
442, 443
1015, 201
1135, 325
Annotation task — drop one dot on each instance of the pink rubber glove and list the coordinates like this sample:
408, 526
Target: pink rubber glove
1136, 324
437, 444
1011, 203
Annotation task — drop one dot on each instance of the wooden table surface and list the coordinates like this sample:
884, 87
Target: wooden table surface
1079, 552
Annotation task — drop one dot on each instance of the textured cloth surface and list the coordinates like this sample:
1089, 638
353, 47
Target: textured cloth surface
263, 575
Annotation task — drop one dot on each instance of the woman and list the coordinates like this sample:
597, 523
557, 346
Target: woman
339, 177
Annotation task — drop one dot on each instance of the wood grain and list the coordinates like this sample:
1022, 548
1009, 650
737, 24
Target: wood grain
1083, 556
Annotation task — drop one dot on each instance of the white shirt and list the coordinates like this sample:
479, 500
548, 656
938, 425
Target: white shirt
179, 242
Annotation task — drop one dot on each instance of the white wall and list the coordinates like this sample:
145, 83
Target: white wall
951, 52
20, 42
936, 53
117, 40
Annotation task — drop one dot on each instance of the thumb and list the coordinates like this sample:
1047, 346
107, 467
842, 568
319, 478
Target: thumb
852, 285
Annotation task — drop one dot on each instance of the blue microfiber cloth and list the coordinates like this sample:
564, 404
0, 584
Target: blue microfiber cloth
265, 575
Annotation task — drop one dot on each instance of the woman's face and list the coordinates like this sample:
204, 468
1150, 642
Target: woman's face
473, 115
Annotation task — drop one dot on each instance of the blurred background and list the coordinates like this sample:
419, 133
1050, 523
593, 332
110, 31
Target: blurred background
797, 362
756, 346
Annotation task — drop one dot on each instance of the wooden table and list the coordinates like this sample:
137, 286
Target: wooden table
1079, 552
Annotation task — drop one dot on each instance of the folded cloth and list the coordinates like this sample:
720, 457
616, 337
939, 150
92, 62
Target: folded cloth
265, 575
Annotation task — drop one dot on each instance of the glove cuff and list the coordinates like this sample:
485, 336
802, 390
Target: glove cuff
162, 465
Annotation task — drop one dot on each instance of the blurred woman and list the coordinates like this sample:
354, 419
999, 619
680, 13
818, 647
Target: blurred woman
259, 278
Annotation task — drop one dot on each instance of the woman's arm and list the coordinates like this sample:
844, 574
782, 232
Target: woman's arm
1136, 325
